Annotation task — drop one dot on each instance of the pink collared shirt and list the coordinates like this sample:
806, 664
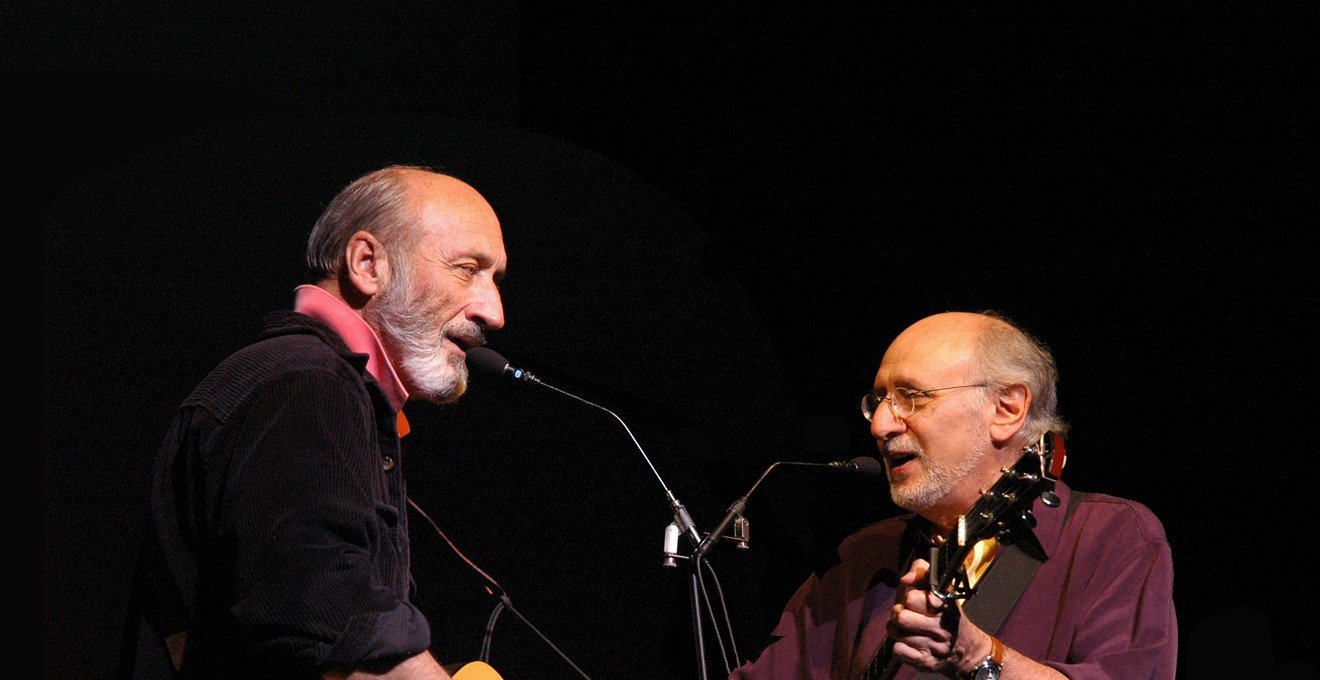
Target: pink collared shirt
319, 304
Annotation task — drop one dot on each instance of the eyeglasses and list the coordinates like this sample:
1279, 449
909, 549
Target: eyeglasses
902, 400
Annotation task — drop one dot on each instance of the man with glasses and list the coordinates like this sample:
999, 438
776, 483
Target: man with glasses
1084, 592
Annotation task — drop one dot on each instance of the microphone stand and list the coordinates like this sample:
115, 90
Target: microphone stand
488, 361
735, 511
733, 515
682, 520
681, 516
697, 587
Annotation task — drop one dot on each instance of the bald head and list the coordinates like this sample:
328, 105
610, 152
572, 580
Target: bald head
987, 347
954, 323
430, 193
390, 204
948, 339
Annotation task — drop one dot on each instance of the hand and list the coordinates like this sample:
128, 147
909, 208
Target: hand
930, 634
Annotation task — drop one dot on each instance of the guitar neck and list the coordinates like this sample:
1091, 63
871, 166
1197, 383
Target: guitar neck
883, 666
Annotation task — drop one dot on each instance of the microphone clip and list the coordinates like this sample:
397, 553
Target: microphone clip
734, 516
521, 374
741, 533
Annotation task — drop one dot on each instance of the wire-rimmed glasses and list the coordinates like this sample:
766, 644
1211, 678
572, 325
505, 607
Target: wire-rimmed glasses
902, 400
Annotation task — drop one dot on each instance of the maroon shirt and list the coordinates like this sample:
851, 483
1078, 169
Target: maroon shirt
1099, 606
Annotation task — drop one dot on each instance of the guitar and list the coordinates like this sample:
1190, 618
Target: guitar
477, 670
1003, 512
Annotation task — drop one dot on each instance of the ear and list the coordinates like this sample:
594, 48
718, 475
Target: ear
1010, 412
366, 268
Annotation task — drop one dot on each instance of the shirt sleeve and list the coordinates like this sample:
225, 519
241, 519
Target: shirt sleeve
819, 629
831, 616
784, 656
1129, 627
313, 545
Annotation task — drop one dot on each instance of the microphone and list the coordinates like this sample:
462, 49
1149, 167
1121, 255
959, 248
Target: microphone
862, 465
490, 362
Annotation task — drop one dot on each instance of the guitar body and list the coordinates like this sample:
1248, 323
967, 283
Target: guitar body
477, 670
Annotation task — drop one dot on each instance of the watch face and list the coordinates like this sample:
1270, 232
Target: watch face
987, 671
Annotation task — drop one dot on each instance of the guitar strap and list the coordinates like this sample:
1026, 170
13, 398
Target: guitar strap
1002, 586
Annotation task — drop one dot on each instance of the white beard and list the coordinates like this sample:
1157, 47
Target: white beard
407, 326
936, 480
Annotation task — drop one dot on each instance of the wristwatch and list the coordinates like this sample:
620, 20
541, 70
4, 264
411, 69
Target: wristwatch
989, 668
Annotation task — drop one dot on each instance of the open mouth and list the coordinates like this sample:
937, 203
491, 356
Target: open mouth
463, 345
897, 460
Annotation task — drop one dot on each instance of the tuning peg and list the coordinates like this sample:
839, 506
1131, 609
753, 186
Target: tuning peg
1049, 499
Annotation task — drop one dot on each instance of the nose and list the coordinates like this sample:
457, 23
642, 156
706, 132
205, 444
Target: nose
884, 424
486, 308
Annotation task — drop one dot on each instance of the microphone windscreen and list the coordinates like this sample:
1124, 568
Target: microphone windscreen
868, 466
486, 360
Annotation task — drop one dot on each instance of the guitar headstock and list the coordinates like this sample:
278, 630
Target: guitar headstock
1054, 455
1001, 512
1032, 476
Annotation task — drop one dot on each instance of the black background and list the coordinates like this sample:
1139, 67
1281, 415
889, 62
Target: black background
717, 216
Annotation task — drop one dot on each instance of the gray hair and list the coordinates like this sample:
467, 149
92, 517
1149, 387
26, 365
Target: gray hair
1009, 355
375, 203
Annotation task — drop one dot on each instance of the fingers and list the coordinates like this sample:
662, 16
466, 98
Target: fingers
922, 653
906, 619
918, 638
916, 574
913, 592
919, 622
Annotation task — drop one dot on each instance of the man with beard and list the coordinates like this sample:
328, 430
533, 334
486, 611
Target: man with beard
278, 542
957, 399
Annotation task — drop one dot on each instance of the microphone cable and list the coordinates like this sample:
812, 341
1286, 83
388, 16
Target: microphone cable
724, 608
